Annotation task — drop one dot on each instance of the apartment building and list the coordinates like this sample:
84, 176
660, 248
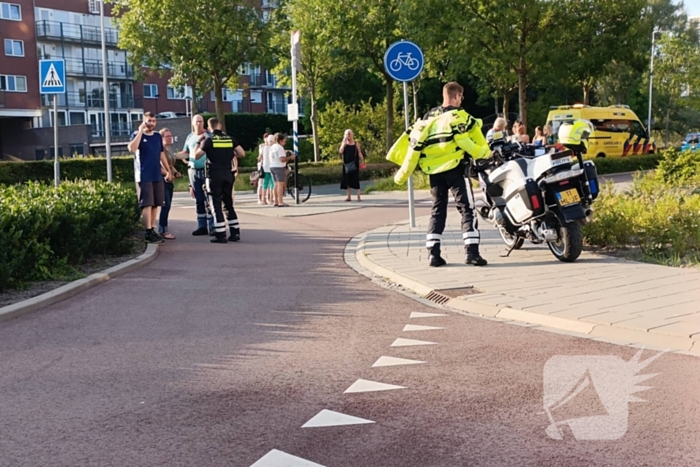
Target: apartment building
70, 30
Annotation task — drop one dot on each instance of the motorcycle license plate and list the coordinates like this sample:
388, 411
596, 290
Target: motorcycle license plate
568, 197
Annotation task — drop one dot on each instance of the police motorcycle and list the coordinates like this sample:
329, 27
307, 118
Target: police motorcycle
541, 195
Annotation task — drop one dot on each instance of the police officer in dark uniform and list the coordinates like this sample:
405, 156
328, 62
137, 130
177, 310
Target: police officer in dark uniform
220, 150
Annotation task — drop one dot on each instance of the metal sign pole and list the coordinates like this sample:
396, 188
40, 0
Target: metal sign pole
108, 129
295, 125
411, 205
56, 168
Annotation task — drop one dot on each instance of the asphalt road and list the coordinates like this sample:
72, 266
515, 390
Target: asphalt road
216, 355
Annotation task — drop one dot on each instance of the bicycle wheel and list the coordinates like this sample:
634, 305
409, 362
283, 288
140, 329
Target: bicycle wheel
303, 185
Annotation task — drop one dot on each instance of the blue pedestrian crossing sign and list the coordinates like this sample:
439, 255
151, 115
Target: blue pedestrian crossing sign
52, 76
403, 61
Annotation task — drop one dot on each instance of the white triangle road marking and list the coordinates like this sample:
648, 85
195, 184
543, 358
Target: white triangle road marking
330, 418
363, 385
393, 361
52, 79
418, 314
409, 342
277, 458
414, 327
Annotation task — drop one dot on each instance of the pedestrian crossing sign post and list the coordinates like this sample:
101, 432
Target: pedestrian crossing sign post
52, 80
52, 75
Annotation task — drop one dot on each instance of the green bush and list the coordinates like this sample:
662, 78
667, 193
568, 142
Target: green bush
44, 231
614, 165
660, 214
88, 168
368, 122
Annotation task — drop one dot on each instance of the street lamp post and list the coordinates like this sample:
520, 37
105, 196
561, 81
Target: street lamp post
108, 128
651, 76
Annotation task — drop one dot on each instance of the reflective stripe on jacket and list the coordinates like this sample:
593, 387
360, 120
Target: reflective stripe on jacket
438, 144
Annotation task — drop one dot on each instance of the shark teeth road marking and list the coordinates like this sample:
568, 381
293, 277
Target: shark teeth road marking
329, 418
418, 314
393, 361
277, 458
363, 385
413, 327
409, 342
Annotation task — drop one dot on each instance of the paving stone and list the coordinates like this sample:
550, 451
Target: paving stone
610, 317
679, 328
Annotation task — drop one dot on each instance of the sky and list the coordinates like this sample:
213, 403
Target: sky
692, 7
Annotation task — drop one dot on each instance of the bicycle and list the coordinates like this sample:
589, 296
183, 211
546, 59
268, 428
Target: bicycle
404, 59
303, 184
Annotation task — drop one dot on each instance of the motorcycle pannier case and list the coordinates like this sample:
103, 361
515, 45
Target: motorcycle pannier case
525, 203
591, 188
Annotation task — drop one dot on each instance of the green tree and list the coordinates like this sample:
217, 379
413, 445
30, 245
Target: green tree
206, 42
676, 77
319, 58
506, 39
595, 33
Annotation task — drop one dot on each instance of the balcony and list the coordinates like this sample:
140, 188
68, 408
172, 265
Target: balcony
257, 80
80, 67
121, 131
277, 107
68, 32
80, 99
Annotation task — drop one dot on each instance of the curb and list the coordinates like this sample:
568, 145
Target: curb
600, 332
76, 287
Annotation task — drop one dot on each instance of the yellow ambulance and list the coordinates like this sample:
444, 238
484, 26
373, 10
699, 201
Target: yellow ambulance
618, 130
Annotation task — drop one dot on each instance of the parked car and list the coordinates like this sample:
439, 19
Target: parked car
171, 115
690, 142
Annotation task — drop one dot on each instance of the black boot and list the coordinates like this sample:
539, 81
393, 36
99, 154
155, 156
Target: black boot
219, 238
475, 259
434, 258
235, 235
200, 231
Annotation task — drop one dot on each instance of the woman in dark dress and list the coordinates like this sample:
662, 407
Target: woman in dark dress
352, 159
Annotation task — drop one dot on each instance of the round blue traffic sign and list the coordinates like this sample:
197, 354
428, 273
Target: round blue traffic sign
403, 61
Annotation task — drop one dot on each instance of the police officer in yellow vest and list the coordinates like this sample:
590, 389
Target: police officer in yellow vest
441, 144
220, 150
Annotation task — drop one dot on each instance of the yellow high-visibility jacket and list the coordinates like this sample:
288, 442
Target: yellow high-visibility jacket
437, 144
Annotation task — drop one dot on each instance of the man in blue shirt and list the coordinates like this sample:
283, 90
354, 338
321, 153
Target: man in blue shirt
149, 157
197, 176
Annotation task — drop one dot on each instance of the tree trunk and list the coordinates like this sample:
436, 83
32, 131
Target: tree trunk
219, 96
415, 101
506, 104
586, 93
495, 104
389, 112
522, 92
668, 121
314, 124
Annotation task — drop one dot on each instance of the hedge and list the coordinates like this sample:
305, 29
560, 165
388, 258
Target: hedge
613, 165
248, 129
44, 231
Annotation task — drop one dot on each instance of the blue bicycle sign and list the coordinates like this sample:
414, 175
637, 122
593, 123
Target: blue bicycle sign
403, 61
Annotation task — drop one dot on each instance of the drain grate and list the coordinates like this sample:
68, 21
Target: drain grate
438, 298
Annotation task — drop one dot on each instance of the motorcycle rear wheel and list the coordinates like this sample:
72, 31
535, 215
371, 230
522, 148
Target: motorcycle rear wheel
509, 239
569, 244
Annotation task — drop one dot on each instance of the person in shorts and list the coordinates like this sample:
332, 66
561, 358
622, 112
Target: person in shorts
149, 156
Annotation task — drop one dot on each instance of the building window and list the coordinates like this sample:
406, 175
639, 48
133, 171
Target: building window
39, 154
10, 11
77, 118
14, 48
13, 83
150, 91
51, 155
77, 150
256, 97
176, 93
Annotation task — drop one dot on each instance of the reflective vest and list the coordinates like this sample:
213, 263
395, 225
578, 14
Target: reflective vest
438, 144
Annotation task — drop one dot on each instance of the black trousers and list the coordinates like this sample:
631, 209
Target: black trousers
220, 191
440, 186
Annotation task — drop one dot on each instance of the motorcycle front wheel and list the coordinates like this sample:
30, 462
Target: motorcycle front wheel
509, 239
569, 243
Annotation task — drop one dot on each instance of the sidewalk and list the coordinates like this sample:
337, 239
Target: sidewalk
600, 297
